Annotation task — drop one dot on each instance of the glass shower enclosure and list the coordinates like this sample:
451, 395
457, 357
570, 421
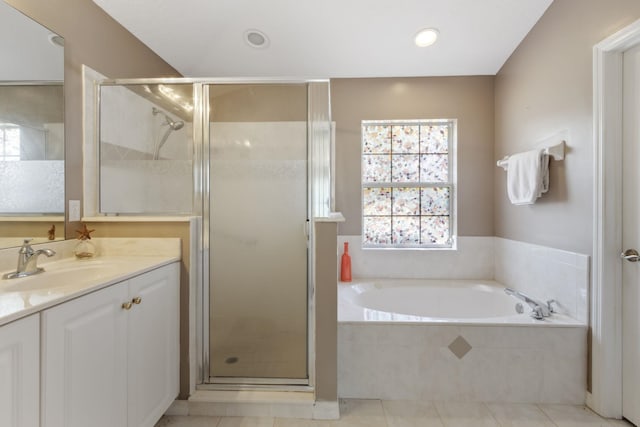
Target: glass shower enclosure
258, 232
252, 160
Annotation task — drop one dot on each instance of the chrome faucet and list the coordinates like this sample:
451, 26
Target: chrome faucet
27, 261
540, 310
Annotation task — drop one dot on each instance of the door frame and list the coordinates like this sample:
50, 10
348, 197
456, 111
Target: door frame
606, 284
202, 200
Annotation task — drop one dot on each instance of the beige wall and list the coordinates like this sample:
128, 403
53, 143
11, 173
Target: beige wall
91, 38
468, 99
546, 87
326, 312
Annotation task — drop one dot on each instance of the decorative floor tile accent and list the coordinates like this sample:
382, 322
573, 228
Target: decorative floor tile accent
460, 347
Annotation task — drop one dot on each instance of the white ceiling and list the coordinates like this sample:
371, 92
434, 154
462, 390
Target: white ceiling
329, 38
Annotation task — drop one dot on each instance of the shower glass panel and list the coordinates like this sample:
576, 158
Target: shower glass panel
258, 233
146, 148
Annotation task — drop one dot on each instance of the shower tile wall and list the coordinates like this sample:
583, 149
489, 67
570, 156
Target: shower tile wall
128, 134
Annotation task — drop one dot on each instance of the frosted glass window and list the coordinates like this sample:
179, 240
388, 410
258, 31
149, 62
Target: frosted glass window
408, 183
406, 201
377, 230
434, 168
376, 168
405, 168
406, 230
406, 139
377, 140
9, 142
377, 201
435, 200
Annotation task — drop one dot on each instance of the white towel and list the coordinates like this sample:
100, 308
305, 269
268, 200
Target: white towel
527, 176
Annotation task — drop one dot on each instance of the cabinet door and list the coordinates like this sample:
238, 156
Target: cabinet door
153, 344
84, 361
20, 373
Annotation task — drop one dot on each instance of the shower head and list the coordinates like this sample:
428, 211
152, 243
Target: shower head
174, 125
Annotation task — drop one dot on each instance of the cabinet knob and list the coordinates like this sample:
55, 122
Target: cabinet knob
137, 300
127, 305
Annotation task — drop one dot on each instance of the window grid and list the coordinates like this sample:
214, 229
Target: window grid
426, 223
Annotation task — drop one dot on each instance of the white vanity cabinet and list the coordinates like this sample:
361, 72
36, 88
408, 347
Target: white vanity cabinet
110, 358
153, 345
20, 373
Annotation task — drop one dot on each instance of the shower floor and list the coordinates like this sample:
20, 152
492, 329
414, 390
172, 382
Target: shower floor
247, 351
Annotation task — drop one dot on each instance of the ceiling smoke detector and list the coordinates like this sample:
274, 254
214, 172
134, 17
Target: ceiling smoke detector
256, 39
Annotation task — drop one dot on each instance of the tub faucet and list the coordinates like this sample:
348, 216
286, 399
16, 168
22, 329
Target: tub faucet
540, 310
27, 261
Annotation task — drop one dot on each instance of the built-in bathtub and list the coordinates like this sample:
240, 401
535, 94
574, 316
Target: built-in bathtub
454, 340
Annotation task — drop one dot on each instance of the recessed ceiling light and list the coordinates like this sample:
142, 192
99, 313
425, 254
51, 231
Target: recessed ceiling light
56, 40
256, 39
426, 37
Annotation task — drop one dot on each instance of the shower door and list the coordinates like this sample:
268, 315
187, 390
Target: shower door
258, 233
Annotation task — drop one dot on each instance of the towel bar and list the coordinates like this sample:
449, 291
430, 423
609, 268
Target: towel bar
555, 151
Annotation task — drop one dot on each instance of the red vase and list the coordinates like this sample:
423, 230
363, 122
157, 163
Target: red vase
345, 265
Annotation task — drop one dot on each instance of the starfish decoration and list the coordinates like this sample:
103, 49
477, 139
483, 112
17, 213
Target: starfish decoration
85, 233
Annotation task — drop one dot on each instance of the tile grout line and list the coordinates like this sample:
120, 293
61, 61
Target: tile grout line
485, 404
545, 414
384, 413
435, 407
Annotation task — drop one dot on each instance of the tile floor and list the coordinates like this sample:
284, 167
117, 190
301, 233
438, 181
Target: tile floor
387, 413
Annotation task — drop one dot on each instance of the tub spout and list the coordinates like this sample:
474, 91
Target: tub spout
539, 309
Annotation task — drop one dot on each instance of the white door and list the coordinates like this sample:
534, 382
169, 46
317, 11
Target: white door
631, 237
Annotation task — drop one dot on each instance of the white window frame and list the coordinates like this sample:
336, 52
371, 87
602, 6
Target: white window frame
451, 183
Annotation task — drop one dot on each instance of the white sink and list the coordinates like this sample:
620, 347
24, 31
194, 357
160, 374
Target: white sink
70, 274
53, 279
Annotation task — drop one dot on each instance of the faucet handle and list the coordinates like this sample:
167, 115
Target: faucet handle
536, 313
26, 246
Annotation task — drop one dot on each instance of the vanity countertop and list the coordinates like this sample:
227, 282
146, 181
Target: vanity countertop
70, 278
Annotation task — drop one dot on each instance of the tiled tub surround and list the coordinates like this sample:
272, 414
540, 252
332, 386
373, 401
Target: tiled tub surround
461, 360
473, 259
542, 272
545, 273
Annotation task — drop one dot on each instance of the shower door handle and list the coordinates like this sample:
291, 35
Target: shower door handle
630, 255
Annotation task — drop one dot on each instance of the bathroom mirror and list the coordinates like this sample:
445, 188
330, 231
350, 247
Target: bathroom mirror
31, 130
